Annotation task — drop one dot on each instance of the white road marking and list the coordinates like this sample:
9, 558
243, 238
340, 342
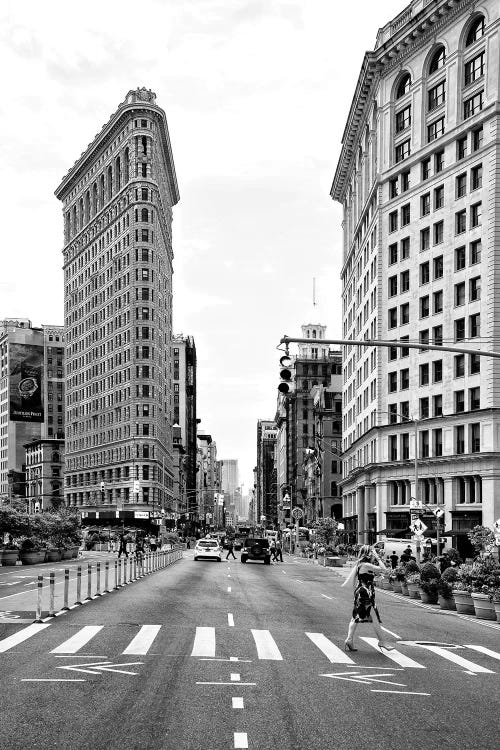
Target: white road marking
395, 635
266, 645
394, 655
229, 589
238, 703
143, 641
327, 597
47, 679
363, 679
398, 692
229, 575
102, 666
240, 740
329, 649
230, 620
298, 580
240, 684
456, 659
284, 572
235, 677
484, 650
21, 635
77, 641
204, 642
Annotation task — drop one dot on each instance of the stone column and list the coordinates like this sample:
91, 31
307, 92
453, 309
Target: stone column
360, 494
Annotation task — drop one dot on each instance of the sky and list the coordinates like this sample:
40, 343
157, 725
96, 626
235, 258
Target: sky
256, 94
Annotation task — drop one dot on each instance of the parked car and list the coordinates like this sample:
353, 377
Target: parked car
208, 549
256, 549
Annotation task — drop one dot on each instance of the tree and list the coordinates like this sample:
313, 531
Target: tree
326, 532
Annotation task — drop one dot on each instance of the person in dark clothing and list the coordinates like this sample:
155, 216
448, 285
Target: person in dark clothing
139, 549
123, 546
153, 543
230, 548
394, 559
444, 562
277, 552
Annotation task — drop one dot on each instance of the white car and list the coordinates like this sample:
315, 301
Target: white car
209, 549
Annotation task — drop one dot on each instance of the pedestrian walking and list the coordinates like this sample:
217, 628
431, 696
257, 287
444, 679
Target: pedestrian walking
277, 552
394, 559
122, 546
272, 547
368, 564
188, 543
139, 549
153, 543
230, 547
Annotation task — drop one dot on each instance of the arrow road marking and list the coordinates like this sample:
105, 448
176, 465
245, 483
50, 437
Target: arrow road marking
363, 679
102, 666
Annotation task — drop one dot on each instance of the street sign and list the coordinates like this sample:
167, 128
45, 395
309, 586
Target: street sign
141, 514
439, 512
297, 513
286, 501
418, 527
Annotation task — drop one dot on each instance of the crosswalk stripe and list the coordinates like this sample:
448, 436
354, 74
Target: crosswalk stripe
77, 641
455, 658
394, 655
21, 635
329, 649
266, 645
204, 642
484, 650
142, 642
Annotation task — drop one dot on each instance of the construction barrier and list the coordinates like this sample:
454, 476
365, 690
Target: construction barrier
138, 567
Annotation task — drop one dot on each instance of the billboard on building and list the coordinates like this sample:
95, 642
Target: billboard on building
25, 374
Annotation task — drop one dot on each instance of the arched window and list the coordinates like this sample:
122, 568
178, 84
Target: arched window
437, 60
110, 182
314, 333
118, 174
126, 161
475, 32
144, 214
403, 86
80, 209
87, 206
101, 191
94, 199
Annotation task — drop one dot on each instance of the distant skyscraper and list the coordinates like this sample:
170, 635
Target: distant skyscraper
230, 482
266, 494
117, 206
184, 396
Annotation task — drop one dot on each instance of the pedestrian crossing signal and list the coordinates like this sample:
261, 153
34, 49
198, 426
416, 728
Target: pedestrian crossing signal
286, 384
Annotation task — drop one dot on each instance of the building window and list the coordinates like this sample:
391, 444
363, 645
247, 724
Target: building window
473, 105
405, 446
435, 130
437, 371
437, 442
474, 326
474, 68
475, 438
438, 232
424, 374
474, 364
425, 204
405, 181
437, 265
424, 273
424, 306
404, 379
402, 151
438, 197
459, 258
460, 329
474, 398
438, 60
459, 401
437, 302
405, 215
435, 96
437, 406
475, 32
393, 286
459, 365
423, 338
393, 382
405, 248
461, 185
403, 119
404, 314
403, 86
393, 447
424, 407
393, 254
424, 444
476, 180
438, 161
475, 215
459, 439
474, 252
425, 238
393, 221
460, 294
392, 317
425, 169
437, 335
475, 289
477, 139
462, 147
405, 281
460, 222
393, 187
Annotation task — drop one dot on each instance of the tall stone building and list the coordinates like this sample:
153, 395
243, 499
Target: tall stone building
31, 397
117, 206
184, 411
230, 482
266, 492
418, 179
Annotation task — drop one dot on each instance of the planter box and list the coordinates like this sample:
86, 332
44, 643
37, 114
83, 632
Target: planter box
497, 610
413, 590
428, 598
9, 556
485, 610
32, 558
447, 603
53, 555
333, 562
74, 552
67, 554
384, 584
396, 586
404, 589
463, 602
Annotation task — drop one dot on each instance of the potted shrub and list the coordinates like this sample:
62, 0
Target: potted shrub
413, 583
9, 553
31, 551
429, 576
445, 588
461, 590
496, 601
485, 575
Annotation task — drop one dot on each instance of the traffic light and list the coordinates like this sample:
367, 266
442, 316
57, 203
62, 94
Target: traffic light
286, 385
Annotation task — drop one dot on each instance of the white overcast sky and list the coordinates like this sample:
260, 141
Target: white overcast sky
256, 94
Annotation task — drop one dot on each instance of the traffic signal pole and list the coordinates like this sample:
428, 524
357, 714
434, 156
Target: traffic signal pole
401, 344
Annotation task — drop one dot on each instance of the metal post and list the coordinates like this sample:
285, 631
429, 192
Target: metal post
89, 583
116, 575
130, 563
66, 588
39, 600
119, 584
52, 576
79, 585
106, 577
98, 579
135, 567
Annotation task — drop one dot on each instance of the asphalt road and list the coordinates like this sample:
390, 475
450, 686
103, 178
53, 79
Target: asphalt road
223, 655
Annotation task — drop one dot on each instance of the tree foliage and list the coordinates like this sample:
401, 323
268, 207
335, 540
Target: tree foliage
326, 531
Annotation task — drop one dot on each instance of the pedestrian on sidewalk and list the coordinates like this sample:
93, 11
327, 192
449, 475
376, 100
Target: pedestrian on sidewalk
394, 559
123, 546
367, 566
278, 552
230, 547
139, 549
272, 548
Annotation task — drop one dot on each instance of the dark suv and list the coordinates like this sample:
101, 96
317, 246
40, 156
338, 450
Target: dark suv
256, 549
